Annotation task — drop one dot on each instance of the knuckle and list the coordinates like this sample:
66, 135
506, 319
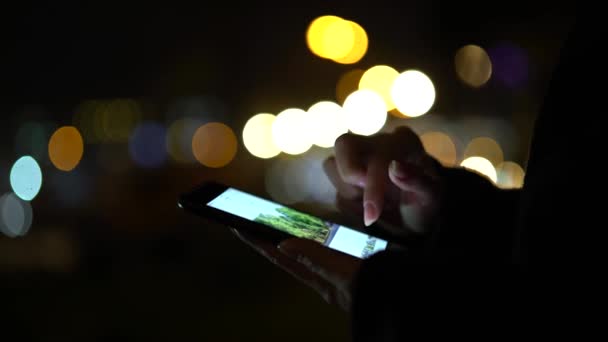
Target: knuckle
344, 141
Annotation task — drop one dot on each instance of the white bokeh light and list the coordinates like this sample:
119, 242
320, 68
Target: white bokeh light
257, 136
285, 181
365, 112
480, 165
301, 180
413, 93
380, 78
26, 178
329, 122
15, 215
291, 131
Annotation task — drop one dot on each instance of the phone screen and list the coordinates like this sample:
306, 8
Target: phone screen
296, 223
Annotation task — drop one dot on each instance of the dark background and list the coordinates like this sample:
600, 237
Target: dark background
109, 256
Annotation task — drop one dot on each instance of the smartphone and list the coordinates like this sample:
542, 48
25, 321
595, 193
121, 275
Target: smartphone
239, 209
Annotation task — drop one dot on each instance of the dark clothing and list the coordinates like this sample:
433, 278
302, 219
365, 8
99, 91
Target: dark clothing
503, 262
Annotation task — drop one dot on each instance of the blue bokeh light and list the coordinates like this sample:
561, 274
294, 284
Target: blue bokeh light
26, 178
147, 145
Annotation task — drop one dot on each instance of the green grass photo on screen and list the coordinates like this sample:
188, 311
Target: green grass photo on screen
297, 224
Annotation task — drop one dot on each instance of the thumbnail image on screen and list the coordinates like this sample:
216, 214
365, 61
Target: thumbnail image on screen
297, 223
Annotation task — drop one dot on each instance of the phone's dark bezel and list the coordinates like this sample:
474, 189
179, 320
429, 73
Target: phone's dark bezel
196, 201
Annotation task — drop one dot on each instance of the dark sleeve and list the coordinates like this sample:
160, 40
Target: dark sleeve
460, 281
476, 219
397, 292
401, 296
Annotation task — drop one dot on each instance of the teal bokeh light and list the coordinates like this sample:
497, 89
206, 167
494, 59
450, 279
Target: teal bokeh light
26, 178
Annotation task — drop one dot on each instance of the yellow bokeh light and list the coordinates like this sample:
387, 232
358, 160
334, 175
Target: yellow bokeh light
510, 175
480, 165
179, 139
84, 120
338, 39
396, 113
413, 93
440, 146
380, 79
484, 147
330, 37
329, 122
316, 32
66, 148
347, 84
365, 112
107, 121
473, 65
257, 136
359, 48
214, 144
119, 118
291, 131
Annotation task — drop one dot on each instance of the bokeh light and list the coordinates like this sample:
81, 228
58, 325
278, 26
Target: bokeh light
481, 166
320, 189
473, 65
214, 144
380, 78
179, 139
16, 216
301, 179
440, 146
147, 144
510, 175
32, 139
365, 112
119, 118
26, 178
329, 122
359, 47
316, 33
107, 120
87, 120
347, 84
291, 131
484, 147
510, 64
413, 93
257, 136
330, 37
66, 148
283, 181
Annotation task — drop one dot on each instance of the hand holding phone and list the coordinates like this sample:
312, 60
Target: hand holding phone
322, 254
326, 271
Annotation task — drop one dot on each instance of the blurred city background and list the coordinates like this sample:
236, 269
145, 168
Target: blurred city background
109, 113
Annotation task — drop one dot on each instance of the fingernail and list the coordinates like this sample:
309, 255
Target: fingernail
370, 213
